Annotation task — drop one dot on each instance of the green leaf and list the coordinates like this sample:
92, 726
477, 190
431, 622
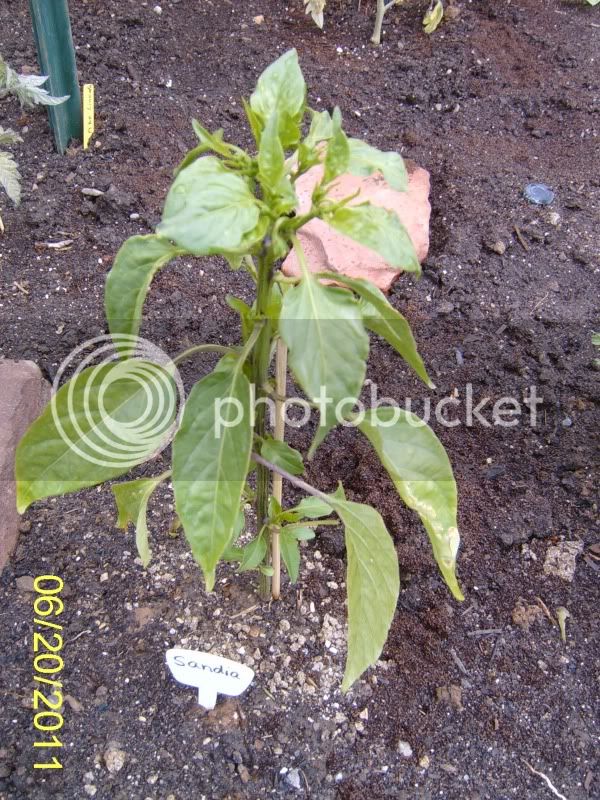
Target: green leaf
338, 150
281, 88
421, 472
213, 141
275, 509
274, 303
383, 319
231, 552
254, 552
190, 157
132, 505
26, 88
282, 455
245, 312
312, 508
364, 160
271, 158
127, 283
209, 210
271, 167
95, 428
321, 128
328, 346
256, 124
10, 177
304, 534
248, 244
211, 456
379, 229
315, 9
290, 553
433, 16
8, 136
373, 581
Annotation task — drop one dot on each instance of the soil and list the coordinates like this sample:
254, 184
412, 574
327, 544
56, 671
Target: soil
464, 695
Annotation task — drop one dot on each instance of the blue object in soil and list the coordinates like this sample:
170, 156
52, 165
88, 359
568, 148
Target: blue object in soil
539, 194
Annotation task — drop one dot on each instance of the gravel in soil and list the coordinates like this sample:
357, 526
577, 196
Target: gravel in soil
503, 95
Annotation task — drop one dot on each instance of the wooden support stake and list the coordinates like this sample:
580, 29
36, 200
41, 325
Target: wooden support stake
280, 389
56, 55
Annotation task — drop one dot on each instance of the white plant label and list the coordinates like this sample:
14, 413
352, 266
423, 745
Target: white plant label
209, 673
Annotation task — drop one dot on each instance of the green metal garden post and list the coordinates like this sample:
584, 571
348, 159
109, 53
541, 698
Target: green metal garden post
52, 31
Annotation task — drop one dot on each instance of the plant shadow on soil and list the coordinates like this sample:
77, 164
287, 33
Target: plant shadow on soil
503, 95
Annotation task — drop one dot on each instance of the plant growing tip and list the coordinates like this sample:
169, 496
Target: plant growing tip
225, 201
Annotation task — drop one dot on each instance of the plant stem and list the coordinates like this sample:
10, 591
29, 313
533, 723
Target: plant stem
280, 387
382, 7
312, 523
260, 373
203, 348
291, 478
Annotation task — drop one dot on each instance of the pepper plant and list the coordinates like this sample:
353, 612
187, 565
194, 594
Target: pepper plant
225, 201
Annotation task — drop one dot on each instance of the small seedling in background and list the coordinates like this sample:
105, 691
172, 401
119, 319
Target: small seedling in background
433, 16
431, 20
29, 92
10, 177
225, 201
562, 615
315, 8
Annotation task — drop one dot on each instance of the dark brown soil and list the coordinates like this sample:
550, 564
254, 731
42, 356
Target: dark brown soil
503, 95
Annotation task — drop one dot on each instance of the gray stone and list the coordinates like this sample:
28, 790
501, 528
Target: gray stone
561, 560
24, 394
293, 779
114, 757
404, 749
25, 583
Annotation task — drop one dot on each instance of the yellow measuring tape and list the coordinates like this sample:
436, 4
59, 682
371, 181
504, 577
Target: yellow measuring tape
88, 114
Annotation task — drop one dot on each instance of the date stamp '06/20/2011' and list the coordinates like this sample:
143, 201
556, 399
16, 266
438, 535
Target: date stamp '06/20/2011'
47, 664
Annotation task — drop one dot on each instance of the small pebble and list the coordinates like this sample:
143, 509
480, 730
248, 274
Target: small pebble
405, 749
445, 308
554, 218
293, 779
114, 759
496, 246
25, 583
